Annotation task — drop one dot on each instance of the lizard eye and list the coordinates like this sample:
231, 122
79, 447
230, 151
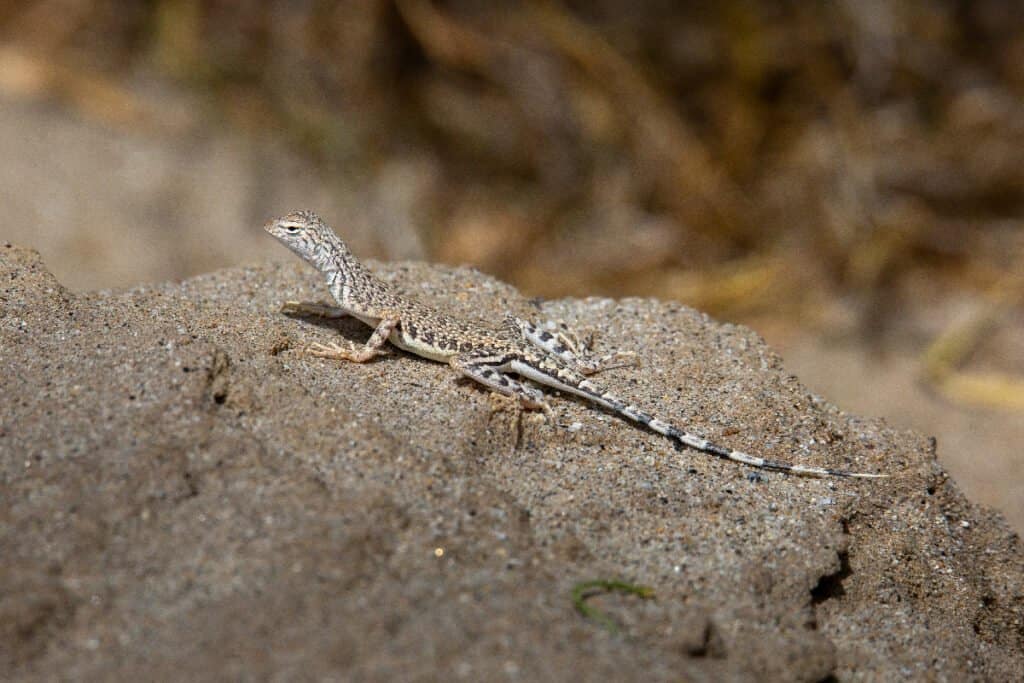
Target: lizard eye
292, 229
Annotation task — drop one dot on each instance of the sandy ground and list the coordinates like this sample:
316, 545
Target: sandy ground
188, 496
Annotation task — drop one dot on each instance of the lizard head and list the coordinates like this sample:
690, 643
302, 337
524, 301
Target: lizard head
306, 234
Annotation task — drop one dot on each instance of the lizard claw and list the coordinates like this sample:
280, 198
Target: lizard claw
336, 352
540, 404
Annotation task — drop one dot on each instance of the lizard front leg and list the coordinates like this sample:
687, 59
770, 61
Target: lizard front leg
312, 309
370, 349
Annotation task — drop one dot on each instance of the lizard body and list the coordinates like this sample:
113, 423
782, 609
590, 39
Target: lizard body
549, 355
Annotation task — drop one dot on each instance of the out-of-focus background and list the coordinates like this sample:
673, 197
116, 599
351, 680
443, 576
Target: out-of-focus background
847, 178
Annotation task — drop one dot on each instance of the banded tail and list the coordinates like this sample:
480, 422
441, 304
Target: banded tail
570, 381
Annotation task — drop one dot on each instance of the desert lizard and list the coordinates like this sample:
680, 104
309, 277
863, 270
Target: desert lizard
550, 355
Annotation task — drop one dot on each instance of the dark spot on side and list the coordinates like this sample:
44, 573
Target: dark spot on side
428, 337
560, 349
465, 346
715, 449
411, 329
503, 381
545, 336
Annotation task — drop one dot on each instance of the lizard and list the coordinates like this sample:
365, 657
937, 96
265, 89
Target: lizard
549, 355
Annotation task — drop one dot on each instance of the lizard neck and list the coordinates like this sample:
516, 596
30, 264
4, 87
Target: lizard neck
335, 280
349, 282
337, 264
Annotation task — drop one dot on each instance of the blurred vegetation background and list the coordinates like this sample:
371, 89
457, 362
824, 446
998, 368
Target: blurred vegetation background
845, 177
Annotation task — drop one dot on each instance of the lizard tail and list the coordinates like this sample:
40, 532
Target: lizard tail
683, 438
571, 382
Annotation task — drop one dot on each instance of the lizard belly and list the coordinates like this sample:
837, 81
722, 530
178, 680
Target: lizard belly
419, 348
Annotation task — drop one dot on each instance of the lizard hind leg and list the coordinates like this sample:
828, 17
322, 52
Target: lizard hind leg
487, 370
558, 339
